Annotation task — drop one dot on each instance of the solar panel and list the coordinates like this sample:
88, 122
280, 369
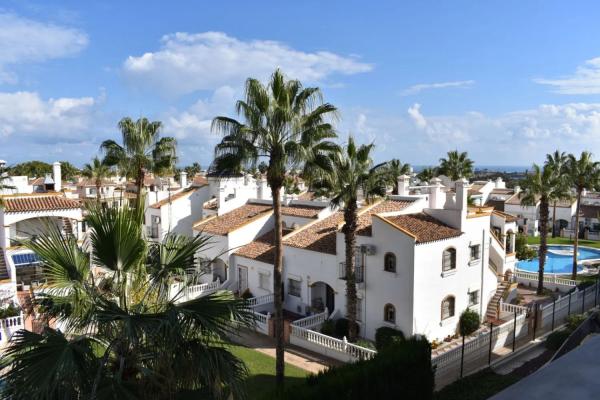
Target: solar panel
25, 259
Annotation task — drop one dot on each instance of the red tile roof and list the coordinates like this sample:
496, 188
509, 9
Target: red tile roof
507, 217
260, 249
365, 220
232, 220
298, 210
39, 203
199, 180
180, 195
424, 228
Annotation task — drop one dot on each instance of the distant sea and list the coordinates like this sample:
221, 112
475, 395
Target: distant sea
494, 168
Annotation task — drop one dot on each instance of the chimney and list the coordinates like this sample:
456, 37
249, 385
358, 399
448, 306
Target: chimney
462, 193
517, 189
183, 179
436, 199
500, 184
403, 185
57, 176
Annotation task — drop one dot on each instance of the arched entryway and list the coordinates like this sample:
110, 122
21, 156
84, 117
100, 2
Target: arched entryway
322, 296
219, 270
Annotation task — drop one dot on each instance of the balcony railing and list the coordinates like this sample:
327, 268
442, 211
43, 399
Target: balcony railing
359, 272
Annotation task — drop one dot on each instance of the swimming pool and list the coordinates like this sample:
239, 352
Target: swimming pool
559, 260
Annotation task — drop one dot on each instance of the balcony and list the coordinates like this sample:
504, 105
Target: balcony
359, 272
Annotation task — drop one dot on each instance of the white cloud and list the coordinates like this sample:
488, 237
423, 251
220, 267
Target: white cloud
26, 114
187, 62
585, 80
415, 89
24, 40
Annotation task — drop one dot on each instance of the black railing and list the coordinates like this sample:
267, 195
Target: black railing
359, 272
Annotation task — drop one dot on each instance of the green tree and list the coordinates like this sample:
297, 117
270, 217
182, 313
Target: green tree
583, 174
98, 171
68, 170
142, 150
286, 124
395, 169
193, 169
557, 161
456, 165
427, 174
3, 185
31, 169
126, 334
352, 174
543, 185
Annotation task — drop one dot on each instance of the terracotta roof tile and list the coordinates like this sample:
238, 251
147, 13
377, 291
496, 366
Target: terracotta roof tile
319, 236
507, 217
306, 196
180, 195
365, 221
299, 210
232, 220
260, 249
199, 180
424, 228
39, 203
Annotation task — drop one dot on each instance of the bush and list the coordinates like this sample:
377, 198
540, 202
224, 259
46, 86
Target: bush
401, 371
385, 336
468, 323
573, 321
556, 339
523, 251
10, 311
342, 327
328, 328
247, 294
366, 344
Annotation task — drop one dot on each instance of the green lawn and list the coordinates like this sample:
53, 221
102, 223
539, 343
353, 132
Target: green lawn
261, 367
558, 240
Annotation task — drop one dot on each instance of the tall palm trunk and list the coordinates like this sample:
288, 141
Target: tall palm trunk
277, 286
544, 213
350, 223
554, 220
139, 182
98, 185
576, 243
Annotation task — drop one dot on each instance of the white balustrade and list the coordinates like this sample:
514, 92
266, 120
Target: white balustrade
548, 278
512, 308
353, 351
312, 321
260, 300
10, 325
262, 321
195, 291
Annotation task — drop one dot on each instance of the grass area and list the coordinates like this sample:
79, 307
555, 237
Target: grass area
479, 386
564, 241
261, 368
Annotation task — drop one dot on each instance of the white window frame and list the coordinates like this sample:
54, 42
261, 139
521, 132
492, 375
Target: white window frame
261, 277
471, 293
295, 293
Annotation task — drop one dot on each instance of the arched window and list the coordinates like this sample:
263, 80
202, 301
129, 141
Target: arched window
449, 259
389, 262
448, 307
389, 313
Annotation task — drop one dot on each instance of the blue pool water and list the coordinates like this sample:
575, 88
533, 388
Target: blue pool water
559, 260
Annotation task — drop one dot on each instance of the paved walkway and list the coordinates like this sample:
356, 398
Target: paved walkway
294, 355
533, 351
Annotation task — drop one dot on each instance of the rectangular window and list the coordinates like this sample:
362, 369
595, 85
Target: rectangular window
294, 288
264, 282
475, 252
474, 298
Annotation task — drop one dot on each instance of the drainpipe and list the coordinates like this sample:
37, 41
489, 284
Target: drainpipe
482, 269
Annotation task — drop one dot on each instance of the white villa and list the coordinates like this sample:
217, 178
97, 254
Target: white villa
421, 258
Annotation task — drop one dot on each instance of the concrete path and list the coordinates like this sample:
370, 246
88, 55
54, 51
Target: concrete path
534, 351
294, 355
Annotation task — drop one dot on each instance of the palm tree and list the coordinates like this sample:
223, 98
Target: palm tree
285, 125
557, 161
583, 174
142, 150
456, 166
126, 335
427, 174
395, 169
3, 186
545, 185
98, 171
353, 174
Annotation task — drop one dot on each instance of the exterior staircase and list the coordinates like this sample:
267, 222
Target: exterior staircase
3, 270
67, 226
492, 309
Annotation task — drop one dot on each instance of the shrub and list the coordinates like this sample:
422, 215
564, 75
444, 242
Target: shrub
523, 251
10, 311
557, 338
328, 328
385, 336
366, 344
401, 371
468, 323
342, 327
247, 294
573, 321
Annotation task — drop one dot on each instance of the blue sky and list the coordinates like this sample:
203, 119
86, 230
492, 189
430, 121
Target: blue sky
507, 81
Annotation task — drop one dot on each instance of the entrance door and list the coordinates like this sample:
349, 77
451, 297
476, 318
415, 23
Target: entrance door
329, 299
242, 279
